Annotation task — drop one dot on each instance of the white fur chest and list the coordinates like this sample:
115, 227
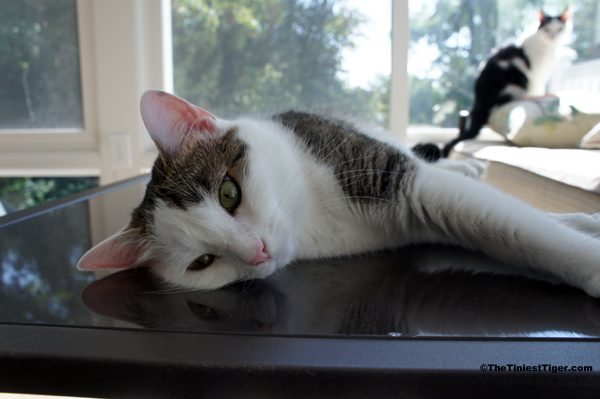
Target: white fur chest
542, 59
331, 226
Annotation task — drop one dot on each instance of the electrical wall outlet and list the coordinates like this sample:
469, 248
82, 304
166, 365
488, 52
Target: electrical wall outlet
120, 150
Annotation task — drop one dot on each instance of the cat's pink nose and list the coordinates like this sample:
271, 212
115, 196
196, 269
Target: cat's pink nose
261, 255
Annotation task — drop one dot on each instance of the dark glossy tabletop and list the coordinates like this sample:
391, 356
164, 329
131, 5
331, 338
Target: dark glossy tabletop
415, 291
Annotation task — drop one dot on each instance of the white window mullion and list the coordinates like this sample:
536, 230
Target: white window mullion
130, 58
399, 93
156, 57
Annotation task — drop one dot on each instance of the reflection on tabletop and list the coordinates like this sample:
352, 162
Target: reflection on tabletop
417, 291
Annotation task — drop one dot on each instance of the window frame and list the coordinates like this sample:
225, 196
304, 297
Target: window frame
399, 90
65, 139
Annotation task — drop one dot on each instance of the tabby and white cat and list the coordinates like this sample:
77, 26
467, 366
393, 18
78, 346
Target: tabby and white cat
415, 291
515, 72
236, 200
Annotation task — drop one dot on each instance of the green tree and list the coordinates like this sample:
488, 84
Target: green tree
235, 56
586, 20
39, 65
18, 193
39, 282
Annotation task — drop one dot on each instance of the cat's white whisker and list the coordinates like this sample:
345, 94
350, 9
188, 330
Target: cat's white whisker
362, 197
180, 190
370, 173
329, 143
192, 189
348, 161
174, 290
183, 194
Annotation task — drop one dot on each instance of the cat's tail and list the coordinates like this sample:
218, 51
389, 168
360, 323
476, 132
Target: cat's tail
430, 152
470, 123
471, 214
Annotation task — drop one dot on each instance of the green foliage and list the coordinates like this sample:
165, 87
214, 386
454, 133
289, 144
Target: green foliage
253, 56
37, 262
39, 65
586, 30
22, 192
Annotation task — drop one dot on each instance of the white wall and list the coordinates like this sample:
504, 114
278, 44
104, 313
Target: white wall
579, 85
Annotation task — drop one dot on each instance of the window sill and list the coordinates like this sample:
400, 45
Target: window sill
55, 163
432, 134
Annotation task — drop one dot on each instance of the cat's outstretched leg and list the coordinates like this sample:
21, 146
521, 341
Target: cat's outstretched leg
586, 223
463, 211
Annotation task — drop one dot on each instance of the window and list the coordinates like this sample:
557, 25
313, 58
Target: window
586, 30
451, 38
41, 92
39, 65
233, 57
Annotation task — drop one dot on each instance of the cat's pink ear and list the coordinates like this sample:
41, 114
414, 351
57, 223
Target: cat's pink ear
120, 251
566, 14
541, 15
172, 121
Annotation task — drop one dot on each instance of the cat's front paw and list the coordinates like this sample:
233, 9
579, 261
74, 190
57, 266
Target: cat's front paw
583, 222
471, 167
478, 167
592, 286
590, 223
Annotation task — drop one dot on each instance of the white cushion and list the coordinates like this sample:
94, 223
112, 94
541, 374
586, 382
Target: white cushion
592, 139
542, 122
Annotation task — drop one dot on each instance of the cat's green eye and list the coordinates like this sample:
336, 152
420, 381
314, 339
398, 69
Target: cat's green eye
201, 262
230, 194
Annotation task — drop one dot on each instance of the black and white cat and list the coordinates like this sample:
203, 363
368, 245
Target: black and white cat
515, 72
233, 200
